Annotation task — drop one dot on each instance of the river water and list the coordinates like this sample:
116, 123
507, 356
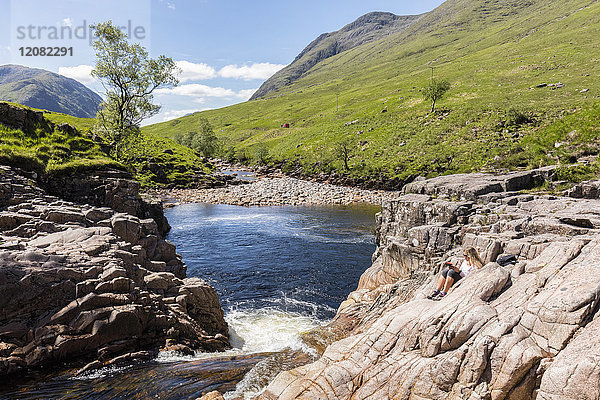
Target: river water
279, 271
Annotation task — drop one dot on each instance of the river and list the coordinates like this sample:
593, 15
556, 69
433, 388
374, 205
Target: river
279, 271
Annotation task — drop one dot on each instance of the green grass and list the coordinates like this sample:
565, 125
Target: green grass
153, 160
494, 53
157, 160
51, 152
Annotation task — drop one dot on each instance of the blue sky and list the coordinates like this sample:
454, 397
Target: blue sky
225, 48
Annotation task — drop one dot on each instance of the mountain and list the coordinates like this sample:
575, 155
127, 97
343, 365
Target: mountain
366, 29
43, 89
524, 93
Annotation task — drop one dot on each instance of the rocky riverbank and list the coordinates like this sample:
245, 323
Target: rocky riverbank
87, 284
276, 191
520, 331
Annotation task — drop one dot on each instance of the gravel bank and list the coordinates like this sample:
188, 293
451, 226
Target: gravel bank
275, 192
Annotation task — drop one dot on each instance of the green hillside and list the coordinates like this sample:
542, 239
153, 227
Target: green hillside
524, 93
51, 149
368, 28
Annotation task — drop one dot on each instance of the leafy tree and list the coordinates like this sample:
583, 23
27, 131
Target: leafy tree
435, 91
129, 78
184, 139
261, 154
343, 151
205, 141
229, 154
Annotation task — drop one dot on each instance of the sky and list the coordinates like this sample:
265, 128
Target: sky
225, 49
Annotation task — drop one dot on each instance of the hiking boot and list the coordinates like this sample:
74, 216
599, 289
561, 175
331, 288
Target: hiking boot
433, 294
439, 296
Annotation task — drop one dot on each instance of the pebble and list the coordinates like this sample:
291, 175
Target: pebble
277, 191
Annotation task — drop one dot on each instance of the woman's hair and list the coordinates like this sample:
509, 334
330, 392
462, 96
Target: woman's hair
474, 256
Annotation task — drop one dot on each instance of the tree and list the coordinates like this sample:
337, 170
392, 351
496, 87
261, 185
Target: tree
184, 139
129, 78
261, 154
343, 151
435, 91
205, 141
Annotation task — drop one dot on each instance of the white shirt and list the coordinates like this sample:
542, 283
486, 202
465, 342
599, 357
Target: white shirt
466, 268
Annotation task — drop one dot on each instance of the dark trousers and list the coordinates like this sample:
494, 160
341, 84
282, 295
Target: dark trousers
452, 274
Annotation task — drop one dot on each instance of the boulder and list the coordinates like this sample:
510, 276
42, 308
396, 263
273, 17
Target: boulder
159, 280
127, 228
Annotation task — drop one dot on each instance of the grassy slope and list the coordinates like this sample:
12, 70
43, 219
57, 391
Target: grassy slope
55, 152
493, 52
52, 151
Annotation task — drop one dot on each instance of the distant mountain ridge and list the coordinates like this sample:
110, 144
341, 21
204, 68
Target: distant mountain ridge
367, 28
47, 90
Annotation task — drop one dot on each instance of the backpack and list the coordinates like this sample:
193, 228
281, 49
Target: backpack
507, 260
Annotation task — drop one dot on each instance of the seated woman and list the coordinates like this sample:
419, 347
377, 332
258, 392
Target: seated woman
452, 274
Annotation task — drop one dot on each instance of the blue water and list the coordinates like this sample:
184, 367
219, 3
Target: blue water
300, 259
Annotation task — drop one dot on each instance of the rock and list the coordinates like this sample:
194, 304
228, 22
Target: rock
24, 119
121, 285
470, 186
13, 330
280, 191
63, 216
574, 372
214, 395
98, 214
512, 332
10, 220
159, 280
123, 322
585, 190
113, 272
72, 279
180, 348
127, 228
579, 222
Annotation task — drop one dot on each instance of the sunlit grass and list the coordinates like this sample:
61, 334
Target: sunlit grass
494, 53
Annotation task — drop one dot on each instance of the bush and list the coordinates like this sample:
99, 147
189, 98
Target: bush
516, 117
261, 154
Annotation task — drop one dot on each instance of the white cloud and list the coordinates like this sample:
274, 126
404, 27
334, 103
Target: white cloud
192, 71
197, 90
172, 114
80, 73
246, 93
250, 72
67, 22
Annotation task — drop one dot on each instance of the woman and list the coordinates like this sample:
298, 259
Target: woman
452, 274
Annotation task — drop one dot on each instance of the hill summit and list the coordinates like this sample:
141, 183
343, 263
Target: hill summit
43, 89
367, 28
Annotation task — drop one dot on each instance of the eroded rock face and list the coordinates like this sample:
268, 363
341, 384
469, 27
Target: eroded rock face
109, 188
84, 282
512, 332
